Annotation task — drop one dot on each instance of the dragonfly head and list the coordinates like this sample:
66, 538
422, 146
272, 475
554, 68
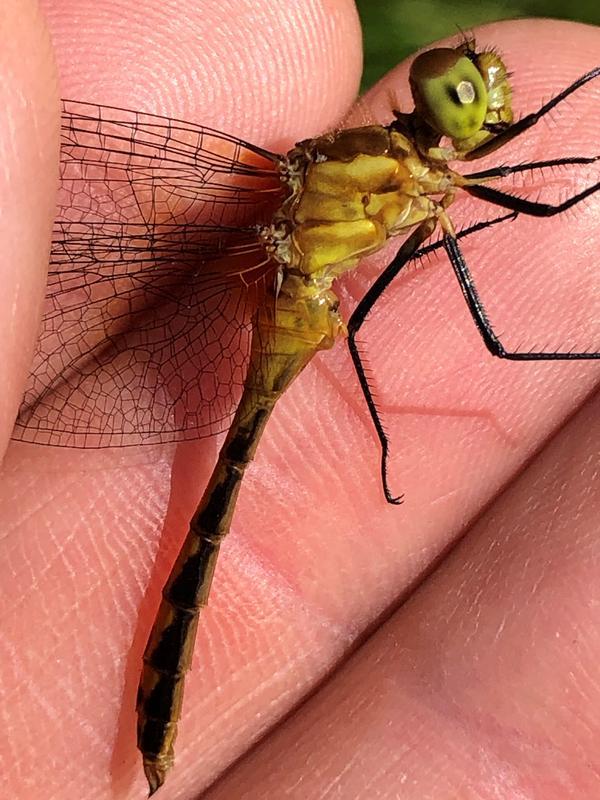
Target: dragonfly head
461, 94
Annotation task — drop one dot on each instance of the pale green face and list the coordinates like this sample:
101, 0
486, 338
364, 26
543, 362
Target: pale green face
449, 92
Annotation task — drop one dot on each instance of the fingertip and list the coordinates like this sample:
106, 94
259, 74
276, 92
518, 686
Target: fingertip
268, 72
29, 127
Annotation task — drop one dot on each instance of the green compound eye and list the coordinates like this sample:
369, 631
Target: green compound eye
449, 92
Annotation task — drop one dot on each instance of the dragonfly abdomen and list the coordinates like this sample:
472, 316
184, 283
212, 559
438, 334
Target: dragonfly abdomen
170, 646
287, 333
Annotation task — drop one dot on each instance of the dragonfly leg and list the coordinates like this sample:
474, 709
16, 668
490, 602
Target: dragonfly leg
362, 310
492, 342
461, 234
518, 205
529, 207
504, 170
409, 251
517, 128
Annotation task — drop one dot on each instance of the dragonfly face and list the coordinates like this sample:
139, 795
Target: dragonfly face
184, 265
461, 94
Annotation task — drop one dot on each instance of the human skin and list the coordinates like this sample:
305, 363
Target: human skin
483, 684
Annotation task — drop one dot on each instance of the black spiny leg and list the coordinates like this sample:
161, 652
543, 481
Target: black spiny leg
467, 285
504, 170
408, 252
492, 342
529, 207
517, 128
360, 313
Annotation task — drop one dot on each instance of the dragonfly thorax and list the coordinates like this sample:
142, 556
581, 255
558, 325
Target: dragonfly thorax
357, 188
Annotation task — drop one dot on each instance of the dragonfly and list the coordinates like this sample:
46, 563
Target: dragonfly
192, 273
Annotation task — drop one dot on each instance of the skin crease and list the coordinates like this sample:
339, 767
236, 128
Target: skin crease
485, 683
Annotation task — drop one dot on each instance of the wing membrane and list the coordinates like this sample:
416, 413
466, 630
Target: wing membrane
154, 274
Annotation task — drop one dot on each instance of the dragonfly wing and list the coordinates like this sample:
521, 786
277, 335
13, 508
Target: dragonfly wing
154, 274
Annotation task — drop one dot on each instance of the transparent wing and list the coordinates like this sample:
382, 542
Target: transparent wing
154, 274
